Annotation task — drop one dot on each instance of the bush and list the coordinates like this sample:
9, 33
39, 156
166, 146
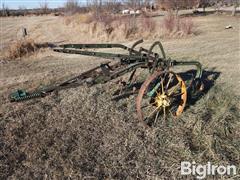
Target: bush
104, 24
21, 48
174, 25
127, 26
148, 24
85, 18
187, 26
115, 25
133, 27
169, 22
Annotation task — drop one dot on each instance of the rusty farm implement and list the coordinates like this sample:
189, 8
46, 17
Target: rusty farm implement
162, 93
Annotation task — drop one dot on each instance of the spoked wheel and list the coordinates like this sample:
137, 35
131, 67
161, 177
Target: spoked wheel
162, 94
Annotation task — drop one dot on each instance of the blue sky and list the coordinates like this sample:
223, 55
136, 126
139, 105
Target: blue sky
15, 4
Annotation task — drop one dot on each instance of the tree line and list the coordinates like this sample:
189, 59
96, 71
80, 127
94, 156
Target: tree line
73, 6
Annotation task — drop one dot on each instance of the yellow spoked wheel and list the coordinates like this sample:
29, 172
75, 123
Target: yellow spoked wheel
162, 94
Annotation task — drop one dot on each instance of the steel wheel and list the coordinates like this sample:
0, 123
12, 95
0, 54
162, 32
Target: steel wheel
162, 94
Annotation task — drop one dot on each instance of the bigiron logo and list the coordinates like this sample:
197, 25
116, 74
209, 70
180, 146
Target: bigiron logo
201, 171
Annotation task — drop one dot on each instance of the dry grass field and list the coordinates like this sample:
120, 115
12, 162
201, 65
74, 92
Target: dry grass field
81, 134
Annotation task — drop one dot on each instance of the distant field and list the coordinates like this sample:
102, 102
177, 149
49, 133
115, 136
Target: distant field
81, 133
214, 46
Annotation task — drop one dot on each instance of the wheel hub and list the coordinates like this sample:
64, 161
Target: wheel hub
161, 100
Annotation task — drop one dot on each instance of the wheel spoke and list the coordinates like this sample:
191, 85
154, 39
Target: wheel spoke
148, 105
162, 86
173, 89
171, 113
174, 95
153, 112
156, 117
164, 113
169, 80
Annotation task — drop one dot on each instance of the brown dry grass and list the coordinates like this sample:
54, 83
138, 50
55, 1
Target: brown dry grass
130, 27
90, 136
85, 18
22, 48
114, 26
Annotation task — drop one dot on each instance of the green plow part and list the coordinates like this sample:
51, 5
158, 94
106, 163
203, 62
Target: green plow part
127, 62
21, 95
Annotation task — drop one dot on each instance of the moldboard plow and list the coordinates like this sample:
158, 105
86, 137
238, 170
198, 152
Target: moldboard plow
163, 93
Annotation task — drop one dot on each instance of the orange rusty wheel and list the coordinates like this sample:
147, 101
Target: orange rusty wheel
162, 93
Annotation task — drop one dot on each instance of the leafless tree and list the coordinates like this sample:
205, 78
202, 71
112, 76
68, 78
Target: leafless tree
22, 10
71, 6
4, 10
135, 4
176, 4
96, 7
185, 4
44, 7
235, 4
220, 3
112, 6
207, 3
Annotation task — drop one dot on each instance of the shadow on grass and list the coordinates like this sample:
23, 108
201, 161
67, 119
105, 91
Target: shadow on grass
198, 13
207, 13
208, 80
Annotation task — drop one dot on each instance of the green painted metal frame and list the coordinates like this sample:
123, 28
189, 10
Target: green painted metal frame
130, 62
